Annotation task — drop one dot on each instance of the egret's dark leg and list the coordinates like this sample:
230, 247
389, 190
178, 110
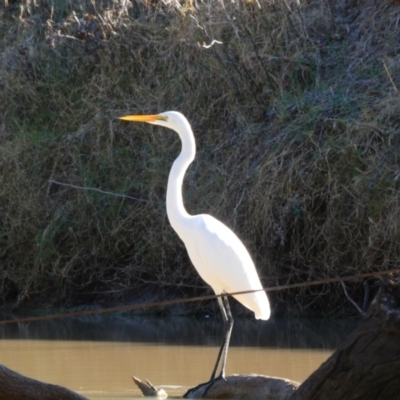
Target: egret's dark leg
228, 331
228, 325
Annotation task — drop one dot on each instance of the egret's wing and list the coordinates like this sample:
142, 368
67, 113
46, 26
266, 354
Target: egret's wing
224, 263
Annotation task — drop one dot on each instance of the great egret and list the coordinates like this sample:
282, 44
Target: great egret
218, 255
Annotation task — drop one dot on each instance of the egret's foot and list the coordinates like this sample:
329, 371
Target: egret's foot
214, 380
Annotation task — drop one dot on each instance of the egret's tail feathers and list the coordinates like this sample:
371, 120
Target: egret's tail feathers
262, 310
256, 302
264, 314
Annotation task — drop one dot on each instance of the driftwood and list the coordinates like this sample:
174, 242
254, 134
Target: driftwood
367, 365
14, 386
244, 387
148, 389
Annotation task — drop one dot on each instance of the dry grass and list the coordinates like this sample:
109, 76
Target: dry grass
296, 115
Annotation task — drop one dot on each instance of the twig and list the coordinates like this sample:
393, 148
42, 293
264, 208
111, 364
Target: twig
361, 311
366, 294
207, 46
98, 190
390, 77
228, 17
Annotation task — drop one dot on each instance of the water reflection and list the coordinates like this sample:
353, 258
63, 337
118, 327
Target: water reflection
97, 356
282, 333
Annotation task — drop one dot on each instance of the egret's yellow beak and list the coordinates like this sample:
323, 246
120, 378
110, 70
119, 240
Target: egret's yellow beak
144, 118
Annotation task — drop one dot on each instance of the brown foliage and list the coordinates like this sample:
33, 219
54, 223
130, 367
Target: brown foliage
296, 118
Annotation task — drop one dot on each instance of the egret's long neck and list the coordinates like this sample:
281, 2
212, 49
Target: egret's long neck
176, 211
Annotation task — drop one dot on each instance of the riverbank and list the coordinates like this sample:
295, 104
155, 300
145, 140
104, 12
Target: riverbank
295, 111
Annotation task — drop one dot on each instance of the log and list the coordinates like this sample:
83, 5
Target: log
241, 387
235, 387
367, 365
14, 386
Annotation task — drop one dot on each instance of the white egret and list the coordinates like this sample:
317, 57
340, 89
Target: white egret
218, 255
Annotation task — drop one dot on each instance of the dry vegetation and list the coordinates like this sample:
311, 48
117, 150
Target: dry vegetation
296, 113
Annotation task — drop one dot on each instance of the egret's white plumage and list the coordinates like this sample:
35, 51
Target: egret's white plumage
217, 253
224, 263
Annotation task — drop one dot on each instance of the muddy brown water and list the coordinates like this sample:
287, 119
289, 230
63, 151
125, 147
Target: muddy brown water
96, 357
